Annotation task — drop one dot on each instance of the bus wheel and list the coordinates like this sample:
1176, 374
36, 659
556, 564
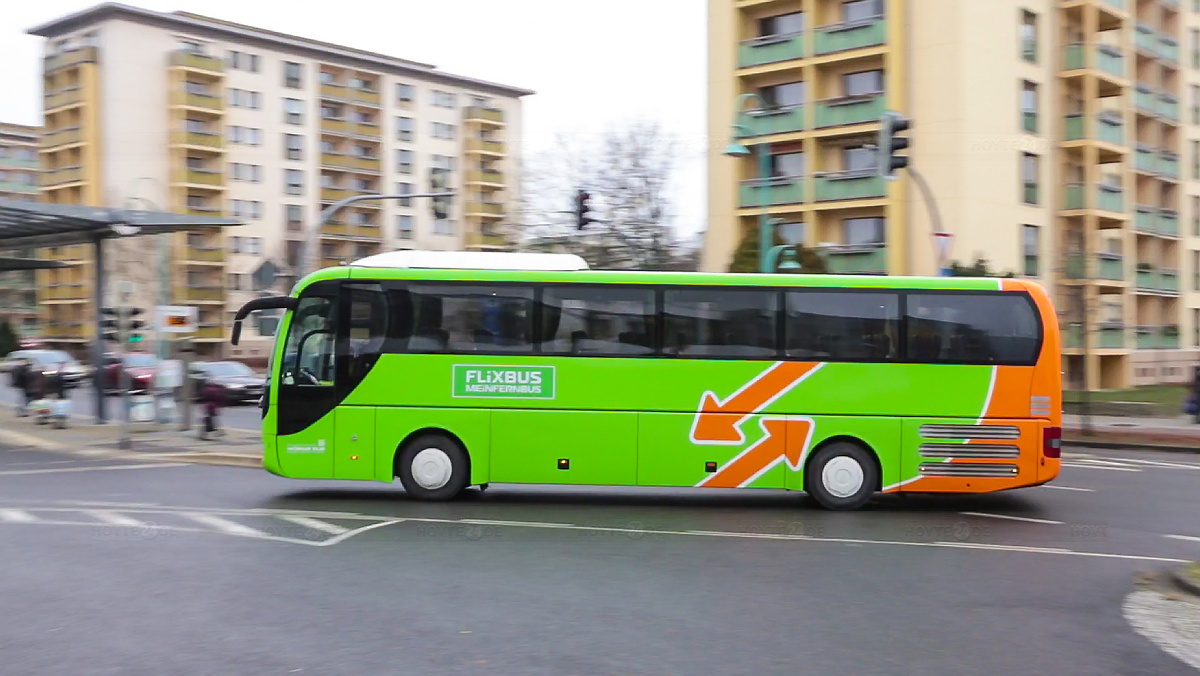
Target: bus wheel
433, 467
841, 476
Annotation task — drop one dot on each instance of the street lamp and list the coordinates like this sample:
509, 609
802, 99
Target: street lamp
739, 150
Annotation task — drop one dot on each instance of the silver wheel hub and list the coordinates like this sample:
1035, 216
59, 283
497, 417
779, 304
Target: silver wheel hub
842, 477
431, 468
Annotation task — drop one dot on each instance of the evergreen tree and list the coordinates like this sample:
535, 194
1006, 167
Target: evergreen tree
745, 257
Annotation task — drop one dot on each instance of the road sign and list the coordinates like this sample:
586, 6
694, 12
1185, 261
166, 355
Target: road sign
175, 318
941, 244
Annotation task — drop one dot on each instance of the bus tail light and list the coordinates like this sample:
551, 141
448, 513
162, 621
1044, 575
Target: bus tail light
1052, 442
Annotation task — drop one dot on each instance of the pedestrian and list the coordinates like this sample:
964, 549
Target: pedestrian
212, 397
20, 381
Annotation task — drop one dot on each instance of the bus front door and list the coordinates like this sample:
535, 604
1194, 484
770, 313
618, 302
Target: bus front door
307, 393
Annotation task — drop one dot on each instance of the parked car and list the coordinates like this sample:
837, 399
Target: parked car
141, 367
238, 382
48, 361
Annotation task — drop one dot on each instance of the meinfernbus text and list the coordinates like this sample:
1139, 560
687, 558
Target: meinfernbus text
457, 369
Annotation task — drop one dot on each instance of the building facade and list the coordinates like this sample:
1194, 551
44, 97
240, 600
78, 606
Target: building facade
1051, 133
19, 181
185, 113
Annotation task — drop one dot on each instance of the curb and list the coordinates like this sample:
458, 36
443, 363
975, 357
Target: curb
224, 459
1128, 446
1185, 583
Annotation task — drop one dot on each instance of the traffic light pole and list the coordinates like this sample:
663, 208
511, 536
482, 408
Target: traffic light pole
308, 257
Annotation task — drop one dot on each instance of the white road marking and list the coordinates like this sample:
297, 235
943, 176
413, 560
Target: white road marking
91, 469
349, 534
1106, 467
494, 522
225, 525
1013, 518
1190, 538
315, 524
1160, 463
16, 516
1070, 488
116, 519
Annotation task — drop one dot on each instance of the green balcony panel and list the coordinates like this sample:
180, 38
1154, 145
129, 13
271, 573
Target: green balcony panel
1110, 60
1110, 129
1169, 340
1111, 268
1168, 223
784, 190
867, 260
844, 37
1029, 121
1168, 280
1110, 198
1146, 160
1145, 219
775, 121
1073, 128
1072, 200
1146, 39
1168, 107
1147, 279
1072, 336
1111, 338
1073, 57
770, 49
1074, 267
850, 110
850, 186
1147, 339
1168, 164
1145, 99
1168, 49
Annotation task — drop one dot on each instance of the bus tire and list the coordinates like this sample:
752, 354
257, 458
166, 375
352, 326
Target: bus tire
841, 476
433, 468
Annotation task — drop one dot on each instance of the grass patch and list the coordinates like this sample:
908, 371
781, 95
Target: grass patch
1192, 572
1164, 396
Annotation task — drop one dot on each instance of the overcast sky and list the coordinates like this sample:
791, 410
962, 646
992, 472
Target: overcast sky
592, 64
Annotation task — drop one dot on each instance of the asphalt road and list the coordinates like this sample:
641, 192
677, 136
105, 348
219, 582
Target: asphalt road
125, 566
83, 402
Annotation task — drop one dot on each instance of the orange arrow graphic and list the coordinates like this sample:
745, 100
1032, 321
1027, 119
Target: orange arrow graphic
786, 439
713, 425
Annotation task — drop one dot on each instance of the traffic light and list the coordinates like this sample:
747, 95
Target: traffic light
110, 326
890, 126
133, 325
437, 183
583, 209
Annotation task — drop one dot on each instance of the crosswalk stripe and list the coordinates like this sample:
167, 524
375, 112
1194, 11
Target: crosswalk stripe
1070, 488
115, 519
16, 516
1012, 518
224, 525
1105, 467
315, 524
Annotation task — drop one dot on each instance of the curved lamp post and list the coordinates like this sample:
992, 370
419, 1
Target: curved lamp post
738, 149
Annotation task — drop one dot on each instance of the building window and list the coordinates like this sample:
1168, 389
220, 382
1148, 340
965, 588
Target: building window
785, 165
781, 25
293, 111
404, 128
1195, 145
404, 226
443, 226
293, 145
242, 61
404, 189
404, 161
293, 74
235, 282
405, 93
1195, 47
861, 10
862, 83
1029, 36
294, 180
293, 216
1029, 178
1030, 240
241, 98
443, 131
254, 245
1195, 327
235, 245
788, 95
1029, 106
443, 99
858, 158
1195, 216
862, 231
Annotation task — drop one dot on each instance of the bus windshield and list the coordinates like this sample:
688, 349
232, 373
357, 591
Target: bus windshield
308, 358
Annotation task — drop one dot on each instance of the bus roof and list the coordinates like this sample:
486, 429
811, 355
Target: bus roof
472, 260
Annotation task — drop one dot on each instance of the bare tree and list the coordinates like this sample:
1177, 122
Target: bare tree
628, 175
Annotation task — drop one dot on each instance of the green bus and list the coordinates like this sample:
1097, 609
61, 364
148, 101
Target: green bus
458, 369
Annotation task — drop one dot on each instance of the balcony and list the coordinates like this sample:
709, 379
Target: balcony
1145, 160
197, 101
67, 96
485, 238
486, 177
200, 177
848, 110
1168, 49
1169, 338
1147, 337
335, 229
1168, 280
1108, 198
69, 59
773, 191
871, 259
770, 49
370, 163
367, 130
844, 37
850, 185
1110, 267
1110, 60
202, 210
366, 230
333, 194
335, 91
203, 294
1168, 164
1144, 100
62, 137
203, 254
1111, 338
201, 139
64, 292
485, 147
209, 332
485, 208
367, 96
336, 160
335, 125
1145, 219
1168, 223
203, 63
1168, 107
1146, 40
62, 176
483, 114
1147, 279
764, 122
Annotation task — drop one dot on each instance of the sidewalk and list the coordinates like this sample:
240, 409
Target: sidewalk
149, 441
1179, 433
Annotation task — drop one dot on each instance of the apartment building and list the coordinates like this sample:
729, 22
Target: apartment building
18, 181
1050, 133
202, 116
